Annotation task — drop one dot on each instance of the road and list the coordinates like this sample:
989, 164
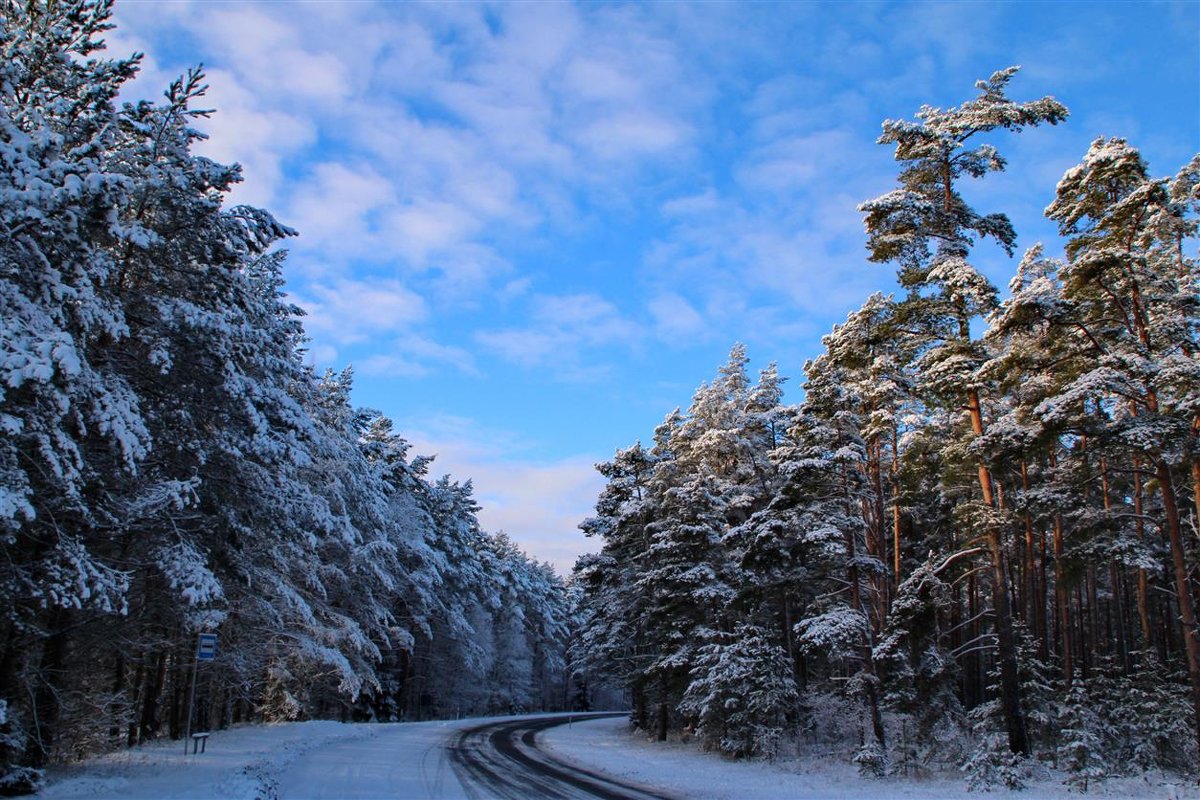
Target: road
452, 761
502, 760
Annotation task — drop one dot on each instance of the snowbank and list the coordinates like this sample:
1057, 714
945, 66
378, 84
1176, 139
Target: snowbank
241, 763
682, 770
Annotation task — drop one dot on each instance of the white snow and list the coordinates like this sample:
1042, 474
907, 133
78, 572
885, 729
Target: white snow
324, 760
236, 765
681, 769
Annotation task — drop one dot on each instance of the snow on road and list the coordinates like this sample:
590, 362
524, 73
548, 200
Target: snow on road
684, 771
406, 761
291, 761
399, 761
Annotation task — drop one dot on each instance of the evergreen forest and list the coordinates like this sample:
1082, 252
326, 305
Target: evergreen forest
972, 544
975, 540
170, 466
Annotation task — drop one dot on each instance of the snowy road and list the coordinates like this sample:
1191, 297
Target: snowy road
496, 759
505, 757
502, 759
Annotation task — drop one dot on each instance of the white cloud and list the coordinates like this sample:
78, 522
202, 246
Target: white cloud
528, 348
791, 165
539, 503
412, 356
427, 227
707, 156
332, 208
347, 311
562, 327
631, 134
705, 202
270, 56
675, 320
475, 122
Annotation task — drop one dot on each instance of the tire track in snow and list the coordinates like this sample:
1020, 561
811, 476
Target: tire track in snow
502, 759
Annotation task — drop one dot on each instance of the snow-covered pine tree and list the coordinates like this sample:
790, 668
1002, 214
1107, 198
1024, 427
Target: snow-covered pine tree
1137, 301
168, 464
1033, 355
686, 580
872, 354
992, 763
920, 673
827, 468
927, 228
741, 692
612, 642
1081, 749
719, 473
66, 416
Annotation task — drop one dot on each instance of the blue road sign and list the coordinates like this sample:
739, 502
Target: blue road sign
206, 648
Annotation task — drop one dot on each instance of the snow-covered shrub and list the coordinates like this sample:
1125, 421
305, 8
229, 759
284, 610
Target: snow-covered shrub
872, 761
1148, 718
279, 702
831, 720
920, 676
14, 779
740, 692
993, 765
96, 721
1081, 752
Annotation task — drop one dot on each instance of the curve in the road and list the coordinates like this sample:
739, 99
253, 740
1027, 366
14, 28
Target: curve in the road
502, 759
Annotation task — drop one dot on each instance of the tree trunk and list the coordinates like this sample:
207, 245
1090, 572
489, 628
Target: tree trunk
1042, 599
640, 713
1183, 592
47, 708
1196, 488
1143, 579
1119, 594
896, 506
148, 728
1062, 599
1032, 589
1010, 686
866, 648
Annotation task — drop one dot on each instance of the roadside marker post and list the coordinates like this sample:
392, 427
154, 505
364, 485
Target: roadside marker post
206, 650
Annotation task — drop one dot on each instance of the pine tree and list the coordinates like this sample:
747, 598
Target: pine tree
613, 643
169, 465
1081, 752
1140, 312
740, 691
928, 229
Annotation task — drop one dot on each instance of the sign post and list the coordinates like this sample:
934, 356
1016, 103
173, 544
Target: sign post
206, 647
206, 650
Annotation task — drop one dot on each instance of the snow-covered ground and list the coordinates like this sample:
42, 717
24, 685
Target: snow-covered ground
301, 761
241, 763
683, 770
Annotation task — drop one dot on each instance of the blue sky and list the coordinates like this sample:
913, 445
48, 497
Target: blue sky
536, 228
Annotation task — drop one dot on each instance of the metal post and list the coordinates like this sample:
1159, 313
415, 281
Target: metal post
187, 728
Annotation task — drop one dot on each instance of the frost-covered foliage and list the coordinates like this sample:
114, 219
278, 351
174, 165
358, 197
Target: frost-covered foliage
670, 567
993, 765
975, 534
169, 465
1080, 750
740, 692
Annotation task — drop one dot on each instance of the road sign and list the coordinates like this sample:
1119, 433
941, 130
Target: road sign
206, 648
